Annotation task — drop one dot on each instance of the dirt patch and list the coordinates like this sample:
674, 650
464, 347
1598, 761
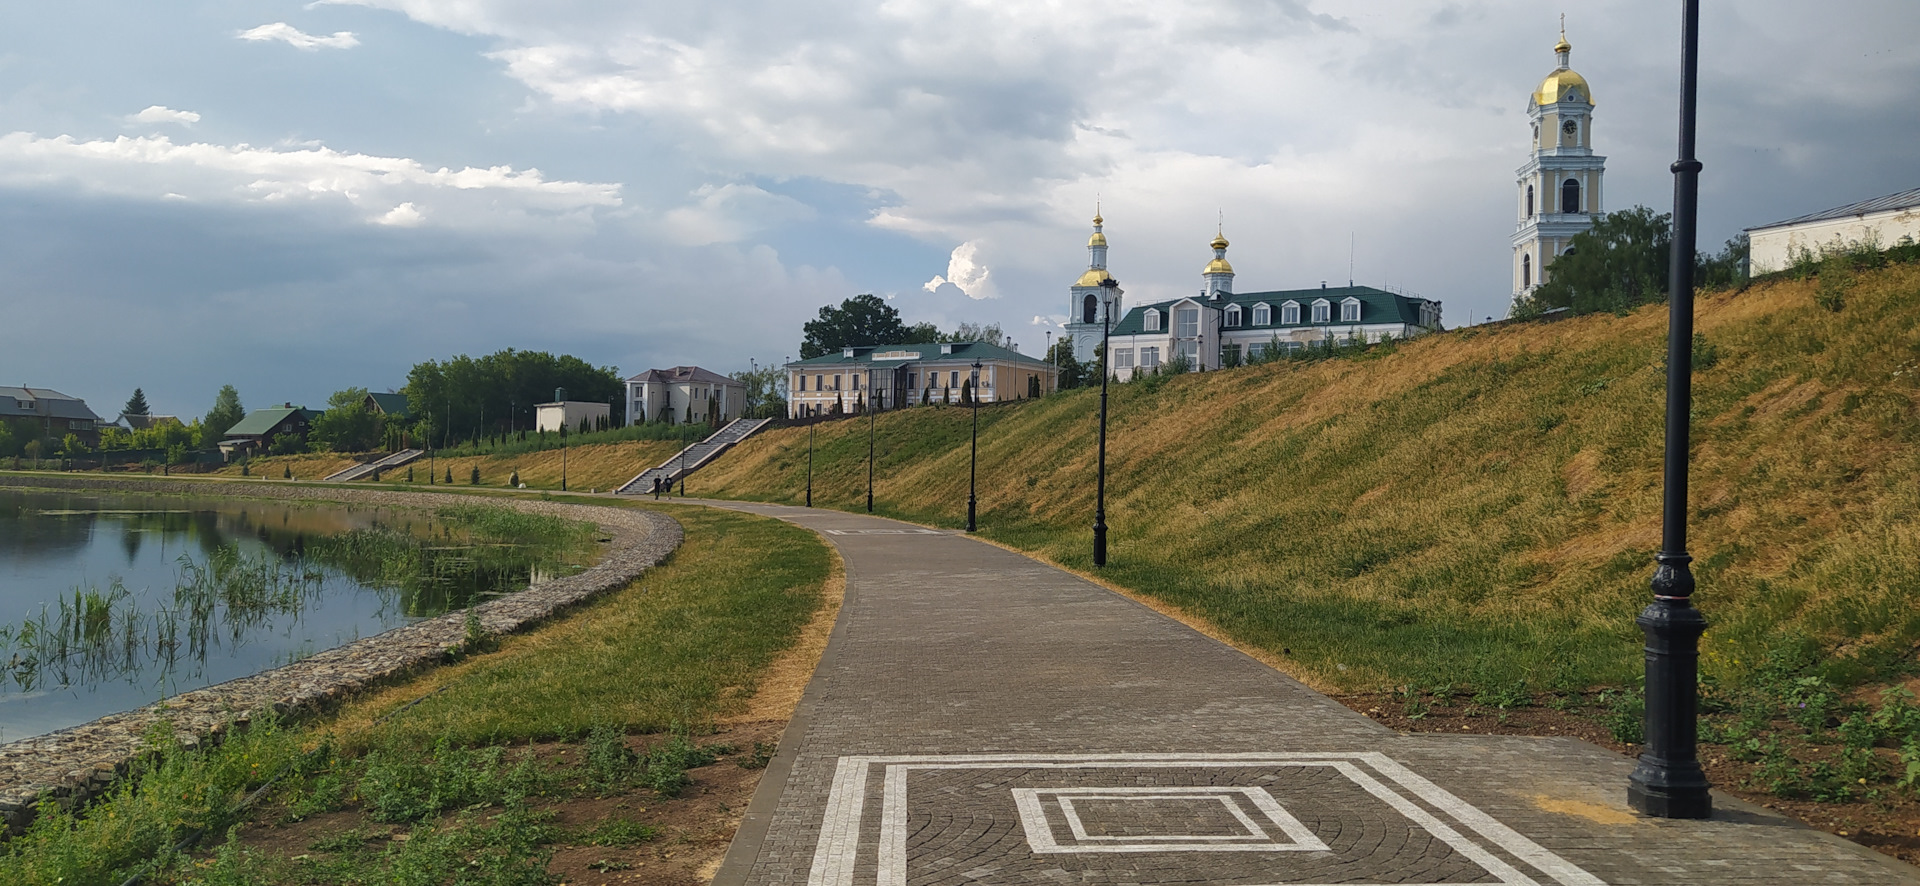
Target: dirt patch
1889, 823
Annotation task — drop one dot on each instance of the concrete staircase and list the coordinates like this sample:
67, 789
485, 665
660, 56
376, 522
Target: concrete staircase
689, 460
392, 461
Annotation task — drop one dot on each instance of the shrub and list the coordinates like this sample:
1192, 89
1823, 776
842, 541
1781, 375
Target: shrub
473, 479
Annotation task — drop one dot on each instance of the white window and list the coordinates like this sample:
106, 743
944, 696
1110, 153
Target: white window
1149, 358
1322, 310
1188, 320
1123, 358
1350, 311
1290, 313
1262, 315
1189, 349
1151, 320
1233, 315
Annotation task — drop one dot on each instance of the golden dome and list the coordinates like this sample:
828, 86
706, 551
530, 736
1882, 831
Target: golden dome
1218, 265
1555, 87
1098, 239
1097, 219
1093, 277
1219, 242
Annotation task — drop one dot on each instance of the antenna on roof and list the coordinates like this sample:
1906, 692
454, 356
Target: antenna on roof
1352, 238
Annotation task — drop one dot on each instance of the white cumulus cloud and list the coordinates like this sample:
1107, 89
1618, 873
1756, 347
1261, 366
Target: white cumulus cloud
965, 272
299, 39
164, 114
386, 190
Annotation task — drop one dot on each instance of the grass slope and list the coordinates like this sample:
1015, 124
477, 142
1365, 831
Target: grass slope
600, 466
1478, 507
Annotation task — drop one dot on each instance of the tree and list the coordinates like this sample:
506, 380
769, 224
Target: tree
1618, 264
136, 404
922, 334
226, 413
766, 391
1072, 372
966, 392
989, 333
466, 397
861, 320
348, 425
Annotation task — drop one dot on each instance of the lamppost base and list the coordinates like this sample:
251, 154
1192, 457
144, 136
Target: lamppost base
1669, 789
970, 513
1100, 544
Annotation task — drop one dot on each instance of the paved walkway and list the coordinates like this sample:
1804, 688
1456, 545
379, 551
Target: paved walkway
980, 718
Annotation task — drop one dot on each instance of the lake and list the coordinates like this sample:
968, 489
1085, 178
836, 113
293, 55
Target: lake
109, 602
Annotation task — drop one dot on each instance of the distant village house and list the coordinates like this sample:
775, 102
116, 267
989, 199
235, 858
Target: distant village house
255, 433
52, 414
684, 394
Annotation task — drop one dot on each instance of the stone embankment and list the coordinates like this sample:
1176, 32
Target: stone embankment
79, 762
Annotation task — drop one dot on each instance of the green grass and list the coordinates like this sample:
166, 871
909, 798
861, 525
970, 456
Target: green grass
1476, 509
677, 649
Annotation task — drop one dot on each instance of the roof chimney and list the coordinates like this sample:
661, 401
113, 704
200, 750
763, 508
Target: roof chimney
1323, 284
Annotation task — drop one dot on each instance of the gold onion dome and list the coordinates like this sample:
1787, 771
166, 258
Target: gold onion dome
1218, 266
1219, 242
1563, 78
1093, 277
1557, 84
1098, 239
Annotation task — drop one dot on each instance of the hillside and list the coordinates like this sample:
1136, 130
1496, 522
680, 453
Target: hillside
1477, 508
601, 466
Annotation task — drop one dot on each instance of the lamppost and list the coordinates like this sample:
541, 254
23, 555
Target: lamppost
1668, 782
871, 418
973, 461
684, 429
563, 451
1110, 289
810, 424
1055, 360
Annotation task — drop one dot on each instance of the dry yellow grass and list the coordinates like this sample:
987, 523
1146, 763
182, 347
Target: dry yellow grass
601, 466
1478, 506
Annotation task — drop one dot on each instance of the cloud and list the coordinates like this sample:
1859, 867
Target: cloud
384, 190
298, 39
164, 114
732, 212
966, 273
406, 215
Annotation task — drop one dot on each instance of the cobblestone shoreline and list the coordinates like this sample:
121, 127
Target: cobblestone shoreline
75, 763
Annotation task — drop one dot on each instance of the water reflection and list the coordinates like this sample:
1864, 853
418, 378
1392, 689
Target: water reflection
107, 602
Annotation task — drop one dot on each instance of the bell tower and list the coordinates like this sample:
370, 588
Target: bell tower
1083, 304
1559, 189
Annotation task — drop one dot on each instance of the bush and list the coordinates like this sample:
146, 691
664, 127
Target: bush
473, 479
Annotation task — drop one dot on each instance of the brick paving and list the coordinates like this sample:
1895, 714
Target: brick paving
981, 718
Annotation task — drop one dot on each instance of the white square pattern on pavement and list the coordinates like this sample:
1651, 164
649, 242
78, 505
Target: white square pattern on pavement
1099, 807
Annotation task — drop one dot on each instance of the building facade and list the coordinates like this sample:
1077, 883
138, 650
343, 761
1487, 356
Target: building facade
684, 394
256, 432
51, 414
551, 417
1220, 327
894, 376
1088, 297
1559, 187
1883, 221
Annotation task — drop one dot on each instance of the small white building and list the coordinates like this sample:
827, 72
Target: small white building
552, 417
1882, 221
686, 394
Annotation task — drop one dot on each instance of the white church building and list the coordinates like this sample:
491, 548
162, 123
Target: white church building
1559, 189
1218, 327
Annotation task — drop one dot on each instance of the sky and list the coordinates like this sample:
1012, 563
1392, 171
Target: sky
300, 197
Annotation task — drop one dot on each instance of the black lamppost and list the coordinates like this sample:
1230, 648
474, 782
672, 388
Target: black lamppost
563, 450
973, 462
810, 423
684, 434
871, 418
1668, 783
1111, 287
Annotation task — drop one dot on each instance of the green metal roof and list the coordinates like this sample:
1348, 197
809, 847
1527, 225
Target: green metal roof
262, 422
391, 404
1376, 306
963, 351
